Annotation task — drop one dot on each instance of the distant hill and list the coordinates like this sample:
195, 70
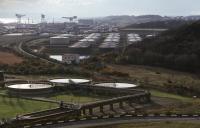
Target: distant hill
125, 20
176, 48
167, 24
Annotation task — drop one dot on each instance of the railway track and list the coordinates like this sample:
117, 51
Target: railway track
28, 54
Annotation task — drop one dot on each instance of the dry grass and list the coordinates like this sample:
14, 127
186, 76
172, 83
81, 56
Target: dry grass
157, 76
9, 58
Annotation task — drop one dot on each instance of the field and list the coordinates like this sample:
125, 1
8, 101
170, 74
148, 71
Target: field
159, 77
167, 124
75, 98
10, 107
173, 103
9, 58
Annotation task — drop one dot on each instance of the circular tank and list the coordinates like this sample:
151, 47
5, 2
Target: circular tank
117, 85
30, 89
69, 81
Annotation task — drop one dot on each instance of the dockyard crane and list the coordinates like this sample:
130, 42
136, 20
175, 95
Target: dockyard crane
43, 18
19, 18
71, 19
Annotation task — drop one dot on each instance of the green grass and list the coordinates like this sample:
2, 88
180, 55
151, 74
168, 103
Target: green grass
166, 124
75, 98
10, 107
175, 103
3, 91
171, 96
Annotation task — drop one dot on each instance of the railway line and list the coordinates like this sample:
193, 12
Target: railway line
28, 54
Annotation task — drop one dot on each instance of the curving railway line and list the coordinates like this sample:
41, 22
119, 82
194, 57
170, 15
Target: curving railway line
24, 52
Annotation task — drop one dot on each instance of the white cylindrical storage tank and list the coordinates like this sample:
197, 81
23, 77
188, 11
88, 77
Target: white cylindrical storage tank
64, 82
30, 89
117, 85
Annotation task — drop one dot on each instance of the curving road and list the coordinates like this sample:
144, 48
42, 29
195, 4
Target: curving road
119, 120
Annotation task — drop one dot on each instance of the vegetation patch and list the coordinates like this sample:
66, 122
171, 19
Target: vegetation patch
7, 58
10, 107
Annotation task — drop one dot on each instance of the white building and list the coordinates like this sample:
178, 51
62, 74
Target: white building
71, 58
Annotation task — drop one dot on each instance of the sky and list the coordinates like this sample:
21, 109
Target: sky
98, 8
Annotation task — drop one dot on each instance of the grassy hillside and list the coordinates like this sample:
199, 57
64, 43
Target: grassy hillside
160, 24
177, 49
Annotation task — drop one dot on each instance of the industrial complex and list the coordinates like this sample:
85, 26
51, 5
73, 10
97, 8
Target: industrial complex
64, 44
73, 40
123, 94
88, 41
111, 41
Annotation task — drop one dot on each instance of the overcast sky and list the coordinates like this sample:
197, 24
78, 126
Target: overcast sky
97, 8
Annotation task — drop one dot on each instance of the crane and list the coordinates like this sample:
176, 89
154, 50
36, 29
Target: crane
19, 18
71, 19
43, 18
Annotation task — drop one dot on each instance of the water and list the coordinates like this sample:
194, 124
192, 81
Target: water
8, 20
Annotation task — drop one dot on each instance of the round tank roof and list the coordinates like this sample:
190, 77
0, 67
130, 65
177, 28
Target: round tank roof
117, 85
67, 81
29, 86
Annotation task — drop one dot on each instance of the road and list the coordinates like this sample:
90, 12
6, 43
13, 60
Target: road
111, 121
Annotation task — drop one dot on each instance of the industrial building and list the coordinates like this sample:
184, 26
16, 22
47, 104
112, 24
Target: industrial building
86, 21
59, 40
72, 37
71, 58
88, 41
112, 41
133, 38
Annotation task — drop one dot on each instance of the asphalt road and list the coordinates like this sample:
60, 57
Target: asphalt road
120, 120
